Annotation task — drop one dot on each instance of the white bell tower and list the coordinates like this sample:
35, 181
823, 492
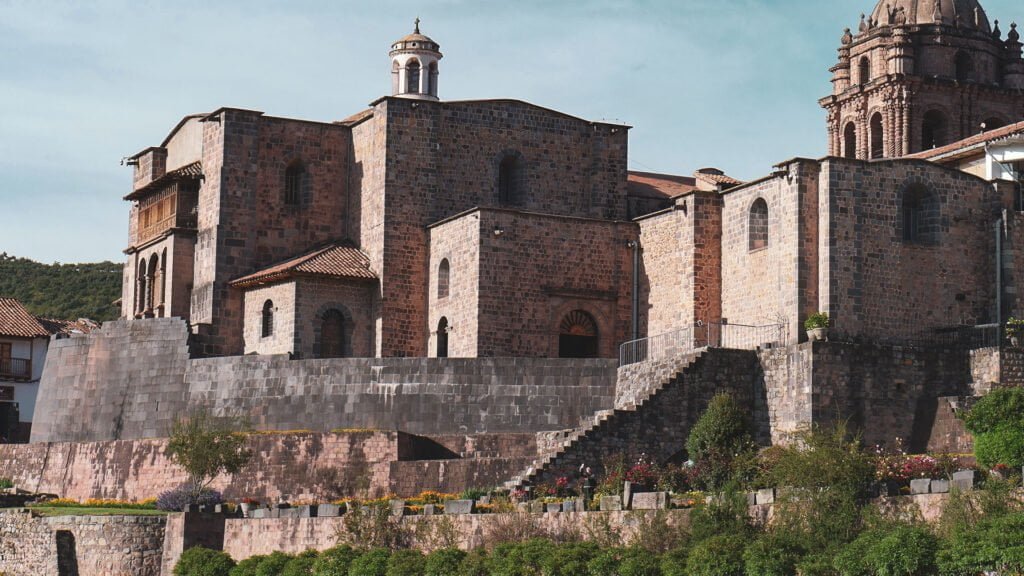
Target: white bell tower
414, 66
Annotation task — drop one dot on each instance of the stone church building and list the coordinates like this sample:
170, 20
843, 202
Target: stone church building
421, 227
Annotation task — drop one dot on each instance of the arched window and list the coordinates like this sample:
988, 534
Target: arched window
294, 183
335, 335
510, 179
140, 289
267, 320
577, 336
152, 286
933, 130
864, 70
850, 141
920, 216
395, 79
877, 137
757, 228
442, 338
964, 66
412, 77
433, 79
443, 277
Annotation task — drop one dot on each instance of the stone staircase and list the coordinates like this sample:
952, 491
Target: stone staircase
599, 422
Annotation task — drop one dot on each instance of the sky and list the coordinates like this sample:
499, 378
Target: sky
732, 84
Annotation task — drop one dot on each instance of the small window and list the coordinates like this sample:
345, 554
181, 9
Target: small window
443, 277
294, 178
267, 329
865, 70
442, 338
412, 77
920, 216
510, 180
964, 67
877, 137
758, 225
850, 141
933, 130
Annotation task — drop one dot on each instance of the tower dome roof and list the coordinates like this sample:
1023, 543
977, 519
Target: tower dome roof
415, 41
964, 13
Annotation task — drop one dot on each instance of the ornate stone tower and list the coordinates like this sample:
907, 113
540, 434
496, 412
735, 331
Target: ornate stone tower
414, 66
919, 74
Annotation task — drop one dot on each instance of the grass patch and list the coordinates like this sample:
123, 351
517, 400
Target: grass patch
85, 511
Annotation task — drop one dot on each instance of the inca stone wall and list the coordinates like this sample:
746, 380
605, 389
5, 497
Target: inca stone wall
131, 378
80, 545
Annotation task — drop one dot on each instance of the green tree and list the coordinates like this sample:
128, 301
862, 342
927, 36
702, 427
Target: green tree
335, 561
206, 448
719, 440
997, 423
62, 291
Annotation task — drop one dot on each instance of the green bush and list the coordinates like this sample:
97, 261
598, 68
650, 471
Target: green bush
852, 559
520, 559
301, 565
717, 556
475, 564
274, 564
772, 555
674, 563
406, 563
816, 320
203, 562
372, 563
570, 559
639, 562
993, 545
445, 562
6, 483
335, 561
904, 551
606, 563
720, 435
997, 423
722, 516
248, 566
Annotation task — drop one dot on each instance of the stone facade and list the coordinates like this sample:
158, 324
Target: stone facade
82, 545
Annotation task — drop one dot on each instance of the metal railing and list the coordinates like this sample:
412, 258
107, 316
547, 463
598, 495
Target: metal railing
703, 335
16, 368
955, 337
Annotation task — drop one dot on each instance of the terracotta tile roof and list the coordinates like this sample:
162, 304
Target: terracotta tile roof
356, 118
717, 177
68, 327
335, 260
973, 141
190, 172
17, 322
651, 185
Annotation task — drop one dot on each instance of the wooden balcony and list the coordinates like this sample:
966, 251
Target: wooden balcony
17, 369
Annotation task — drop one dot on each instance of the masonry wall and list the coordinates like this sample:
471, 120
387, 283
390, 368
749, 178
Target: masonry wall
244, 223
82, 545
281, 339
879, 287
131, 378
457, 241
666, 291
367, 174
353, 298
540, 269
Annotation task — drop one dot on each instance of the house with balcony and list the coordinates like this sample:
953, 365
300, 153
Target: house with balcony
24, 340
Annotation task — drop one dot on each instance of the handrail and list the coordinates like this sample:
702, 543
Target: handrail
702, 335
16, 368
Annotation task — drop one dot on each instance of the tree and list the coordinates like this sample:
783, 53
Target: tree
207, 447
997, 423
720, 444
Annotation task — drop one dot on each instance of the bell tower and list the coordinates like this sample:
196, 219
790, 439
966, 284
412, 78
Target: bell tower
414, 61
919, 74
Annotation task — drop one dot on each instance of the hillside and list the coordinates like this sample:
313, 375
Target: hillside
62, 291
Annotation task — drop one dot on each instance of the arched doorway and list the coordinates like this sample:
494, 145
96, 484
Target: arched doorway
877, 137
333, 335
850, 141
577, 336
933, 130
442, 338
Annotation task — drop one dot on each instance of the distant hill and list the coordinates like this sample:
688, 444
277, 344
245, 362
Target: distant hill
62, 291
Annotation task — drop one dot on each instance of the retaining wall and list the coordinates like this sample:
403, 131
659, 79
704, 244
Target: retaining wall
80, 545
132, 377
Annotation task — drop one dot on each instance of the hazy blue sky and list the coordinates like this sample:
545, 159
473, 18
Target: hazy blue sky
726, 83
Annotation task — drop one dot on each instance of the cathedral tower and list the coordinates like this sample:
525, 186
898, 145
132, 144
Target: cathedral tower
919, 74
414, 66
